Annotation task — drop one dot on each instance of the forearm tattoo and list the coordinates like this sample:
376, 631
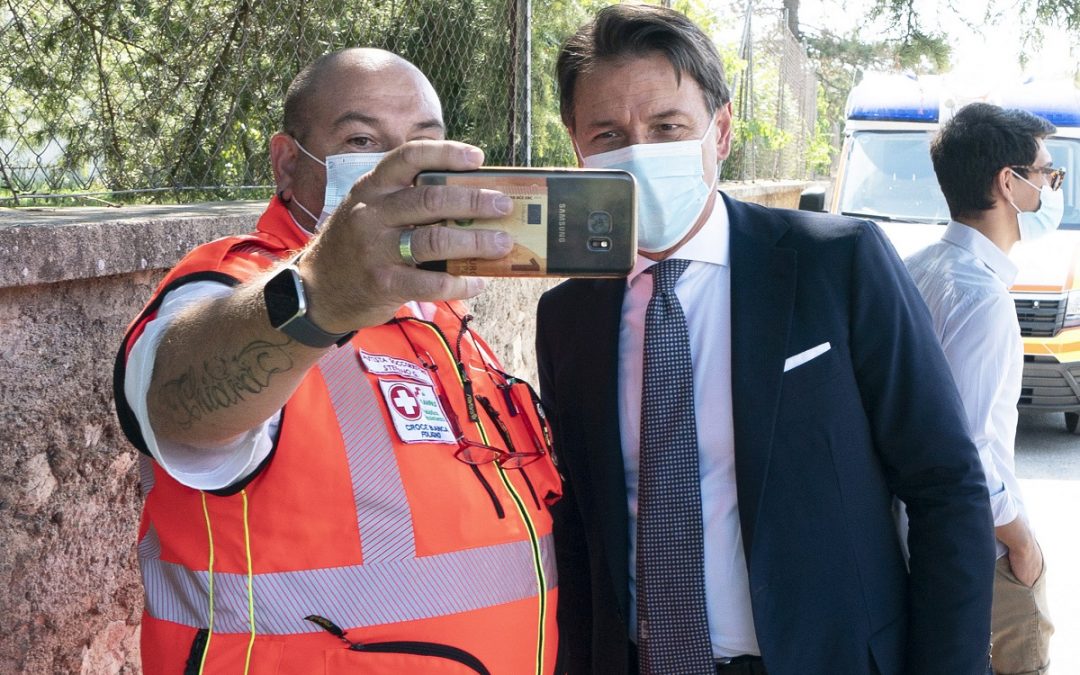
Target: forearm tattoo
224, 382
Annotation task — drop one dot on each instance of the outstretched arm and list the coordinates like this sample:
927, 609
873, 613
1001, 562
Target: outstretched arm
221, 369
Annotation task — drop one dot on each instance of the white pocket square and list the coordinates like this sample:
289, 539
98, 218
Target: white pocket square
803, 357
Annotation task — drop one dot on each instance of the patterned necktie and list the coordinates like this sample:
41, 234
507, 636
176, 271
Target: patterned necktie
673, 628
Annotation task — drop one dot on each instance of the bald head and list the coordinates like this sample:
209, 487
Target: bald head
314, 87
351, 101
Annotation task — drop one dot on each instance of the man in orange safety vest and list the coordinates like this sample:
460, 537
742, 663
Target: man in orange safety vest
339, 475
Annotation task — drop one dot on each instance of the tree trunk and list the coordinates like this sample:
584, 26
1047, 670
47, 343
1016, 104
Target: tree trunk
791, 15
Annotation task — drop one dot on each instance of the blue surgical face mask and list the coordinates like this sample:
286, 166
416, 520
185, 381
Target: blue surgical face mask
1035, 224
341, 172
671, 187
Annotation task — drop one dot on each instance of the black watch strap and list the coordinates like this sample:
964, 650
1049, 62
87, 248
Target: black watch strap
304, 331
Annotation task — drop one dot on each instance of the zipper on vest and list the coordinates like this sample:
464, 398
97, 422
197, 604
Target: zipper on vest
500, 512
519, 503
433, 649
412, 647
526, 519
493, 414
538, 566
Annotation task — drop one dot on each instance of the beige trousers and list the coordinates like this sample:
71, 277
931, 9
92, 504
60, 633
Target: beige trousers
1020, 624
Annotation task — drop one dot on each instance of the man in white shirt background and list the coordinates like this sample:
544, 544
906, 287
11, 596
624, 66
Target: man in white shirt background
1001, 187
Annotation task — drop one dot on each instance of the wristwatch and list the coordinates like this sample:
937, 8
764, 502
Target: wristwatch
287, 306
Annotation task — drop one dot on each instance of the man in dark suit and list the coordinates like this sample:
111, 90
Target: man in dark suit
817, 393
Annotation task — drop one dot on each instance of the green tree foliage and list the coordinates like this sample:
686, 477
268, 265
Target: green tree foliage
182, 94
178, 98
773, 93
1065, 13
1061, 13
840, 60
910, 46
553, 22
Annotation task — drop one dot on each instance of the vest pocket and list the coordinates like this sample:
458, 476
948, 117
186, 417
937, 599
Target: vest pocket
393, 658
228, 653
198, 646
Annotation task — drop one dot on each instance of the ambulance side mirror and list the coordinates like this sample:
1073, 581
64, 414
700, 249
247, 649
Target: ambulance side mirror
813, 199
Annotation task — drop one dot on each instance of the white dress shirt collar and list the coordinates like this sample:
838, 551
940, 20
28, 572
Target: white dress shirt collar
709, 245
977, 244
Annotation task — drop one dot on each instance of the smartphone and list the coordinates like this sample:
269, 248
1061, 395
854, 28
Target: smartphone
565, 222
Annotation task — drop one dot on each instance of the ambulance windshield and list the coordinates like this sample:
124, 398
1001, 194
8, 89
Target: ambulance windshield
889, 177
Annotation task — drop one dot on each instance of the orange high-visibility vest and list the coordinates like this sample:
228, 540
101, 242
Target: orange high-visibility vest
363, 545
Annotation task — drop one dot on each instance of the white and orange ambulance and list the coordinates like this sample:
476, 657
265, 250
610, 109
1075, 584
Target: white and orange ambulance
885, 174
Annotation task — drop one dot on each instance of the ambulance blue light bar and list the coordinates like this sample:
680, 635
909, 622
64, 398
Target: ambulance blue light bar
893, 98
1056, 101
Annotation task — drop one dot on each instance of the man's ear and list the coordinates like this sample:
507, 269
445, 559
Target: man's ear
1004, 182
283, 158
723, 132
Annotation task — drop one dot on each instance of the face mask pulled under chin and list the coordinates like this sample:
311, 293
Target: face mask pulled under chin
671, 187
1036, 224
341, 172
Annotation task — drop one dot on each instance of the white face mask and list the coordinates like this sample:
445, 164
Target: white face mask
1035, 224
341, 172
671, 188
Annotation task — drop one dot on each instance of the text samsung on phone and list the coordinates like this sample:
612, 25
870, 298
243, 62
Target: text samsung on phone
565, 222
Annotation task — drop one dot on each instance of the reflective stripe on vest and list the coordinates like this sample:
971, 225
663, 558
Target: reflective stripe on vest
146, 474
393, 585
386, 523
356, 596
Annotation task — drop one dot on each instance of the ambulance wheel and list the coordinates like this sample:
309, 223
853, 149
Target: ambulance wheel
1072, 422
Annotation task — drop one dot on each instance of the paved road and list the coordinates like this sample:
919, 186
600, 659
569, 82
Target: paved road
1048, 465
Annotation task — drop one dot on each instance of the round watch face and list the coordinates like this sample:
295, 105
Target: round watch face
284, 294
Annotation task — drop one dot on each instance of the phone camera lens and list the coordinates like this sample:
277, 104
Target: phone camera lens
599, 222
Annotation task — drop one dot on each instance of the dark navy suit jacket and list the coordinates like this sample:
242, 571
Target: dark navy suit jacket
820, 451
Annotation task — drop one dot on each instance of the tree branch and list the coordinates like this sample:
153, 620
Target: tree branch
240, 16
160, 60
117, 155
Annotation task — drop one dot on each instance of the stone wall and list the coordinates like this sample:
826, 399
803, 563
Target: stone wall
70, 281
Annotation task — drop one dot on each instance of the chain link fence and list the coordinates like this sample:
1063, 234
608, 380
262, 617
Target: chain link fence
150, 100
775, 104
137, 99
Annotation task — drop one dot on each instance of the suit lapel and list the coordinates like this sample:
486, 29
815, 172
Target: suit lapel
762, 303
597, 369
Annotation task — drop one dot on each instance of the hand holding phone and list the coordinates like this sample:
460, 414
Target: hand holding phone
565, 222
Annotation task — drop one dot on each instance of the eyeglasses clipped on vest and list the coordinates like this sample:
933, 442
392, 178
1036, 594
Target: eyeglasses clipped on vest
474, 452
